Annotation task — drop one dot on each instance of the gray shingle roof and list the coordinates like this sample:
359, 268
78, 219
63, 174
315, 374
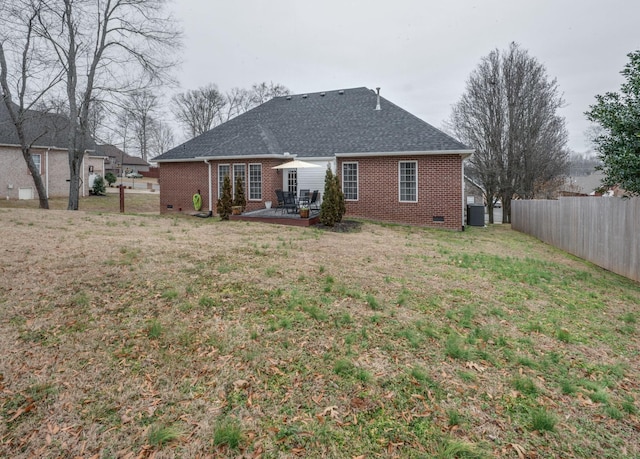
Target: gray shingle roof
119, 155
317, 125
44, 129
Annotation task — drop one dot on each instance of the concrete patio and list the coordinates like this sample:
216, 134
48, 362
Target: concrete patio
278, 217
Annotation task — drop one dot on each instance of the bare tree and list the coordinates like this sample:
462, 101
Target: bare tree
200, 109
238, 101
508, 115
263, 92
29, 64
100, 47
162, 138
141, 109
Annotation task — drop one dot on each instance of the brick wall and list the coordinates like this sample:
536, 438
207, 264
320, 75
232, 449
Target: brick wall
439, 188
179, 181
439, 191
54, 170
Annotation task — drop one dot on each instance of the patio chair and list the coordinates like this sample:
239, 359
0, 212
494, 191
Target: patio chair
313, 202
304, 198
279, 200
290, 203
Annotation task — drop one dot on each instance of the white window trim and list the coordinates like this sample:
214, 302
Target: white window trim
39, 155
249, 181
357, 179
233, 178
221, 179
399, 179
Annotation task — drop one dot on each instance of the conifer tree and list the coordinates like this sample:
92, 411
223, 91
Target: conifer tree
341, 207
238, 198
333, 207
224, 204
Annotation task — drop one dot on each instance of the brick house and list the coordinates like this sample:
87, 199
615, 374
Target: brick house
48, 132
393, 166
119, 163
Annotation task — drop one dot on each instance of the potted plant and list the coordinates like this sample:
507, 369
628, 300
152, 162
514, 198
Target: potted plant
304, 212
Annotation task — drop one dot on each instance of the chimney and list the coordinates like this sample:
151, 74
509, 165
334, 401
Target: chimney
378, 100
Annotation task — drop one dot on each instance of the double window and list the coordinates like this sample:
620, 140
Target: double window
255, 182
350, 181
408, 181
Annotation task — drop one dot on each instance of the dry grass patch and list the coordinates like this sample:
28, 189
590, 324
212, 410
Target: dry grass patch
128, 335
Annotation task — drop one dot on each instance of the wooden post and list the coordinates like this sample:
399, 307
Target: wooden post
121, 199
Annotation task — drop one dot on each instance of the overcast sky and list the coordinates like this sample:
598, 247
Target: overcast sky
419, 52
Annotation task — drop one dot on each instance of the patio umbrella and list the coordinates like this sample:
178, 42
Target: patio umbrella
296, 164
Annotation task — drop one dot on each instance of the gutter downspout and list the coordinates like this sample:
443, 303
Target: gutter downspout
82, 176
210, 189
46, 176
463, 188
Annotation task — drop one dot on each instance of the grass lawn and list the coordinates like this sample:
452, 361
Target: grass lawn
134, 335
133, 202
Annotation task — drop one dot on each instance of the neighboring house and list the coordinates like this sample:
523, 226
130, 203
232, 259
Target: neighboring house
589, 185
48, 132
473, 192
118, 161
392, 165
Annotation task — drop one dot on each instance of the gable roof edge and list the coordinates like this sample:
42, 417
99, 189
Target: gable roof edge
463, 153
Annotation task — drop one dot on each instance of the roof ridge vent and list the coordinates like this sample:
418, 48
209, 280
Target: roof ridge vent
288, 97
322, 94
341, 92
304, 96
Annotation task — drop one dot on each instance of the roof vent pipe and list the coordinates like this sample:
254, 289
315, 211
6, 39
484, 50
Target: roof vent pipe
378, 99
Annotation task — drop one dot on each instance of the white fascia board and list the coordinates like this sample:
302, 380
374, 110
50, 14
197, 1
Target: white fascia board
34, 147
464, 153
199, 159
316, 158
240, 157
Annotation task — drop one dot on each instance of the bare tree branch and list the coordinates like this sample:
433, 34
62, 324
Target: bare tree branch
508, 115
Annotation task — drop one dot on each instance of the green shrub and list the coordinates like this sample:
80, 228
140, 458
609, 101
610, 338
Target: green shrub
110, 178
238, 196
99, 188
223, 207
333, 206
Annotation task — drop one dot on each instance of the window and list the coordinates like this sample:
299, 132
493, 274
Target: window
37, 159
238, 171
223, 169
255, 181
350, 181
292, 181
408, 181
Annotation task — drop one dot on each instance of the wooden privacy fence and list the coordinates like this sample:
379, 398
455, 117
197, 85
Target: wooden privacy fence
605, 231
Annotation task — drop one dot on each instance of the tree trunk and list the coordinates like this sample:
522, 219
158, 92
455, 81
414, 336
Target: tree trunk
506, 209
74, 182
37, 178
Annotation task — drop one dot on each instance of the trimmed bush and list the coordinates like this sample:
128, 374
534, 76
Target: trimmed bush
333, 206
98, 186
224, 204
238, 197
110, 178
